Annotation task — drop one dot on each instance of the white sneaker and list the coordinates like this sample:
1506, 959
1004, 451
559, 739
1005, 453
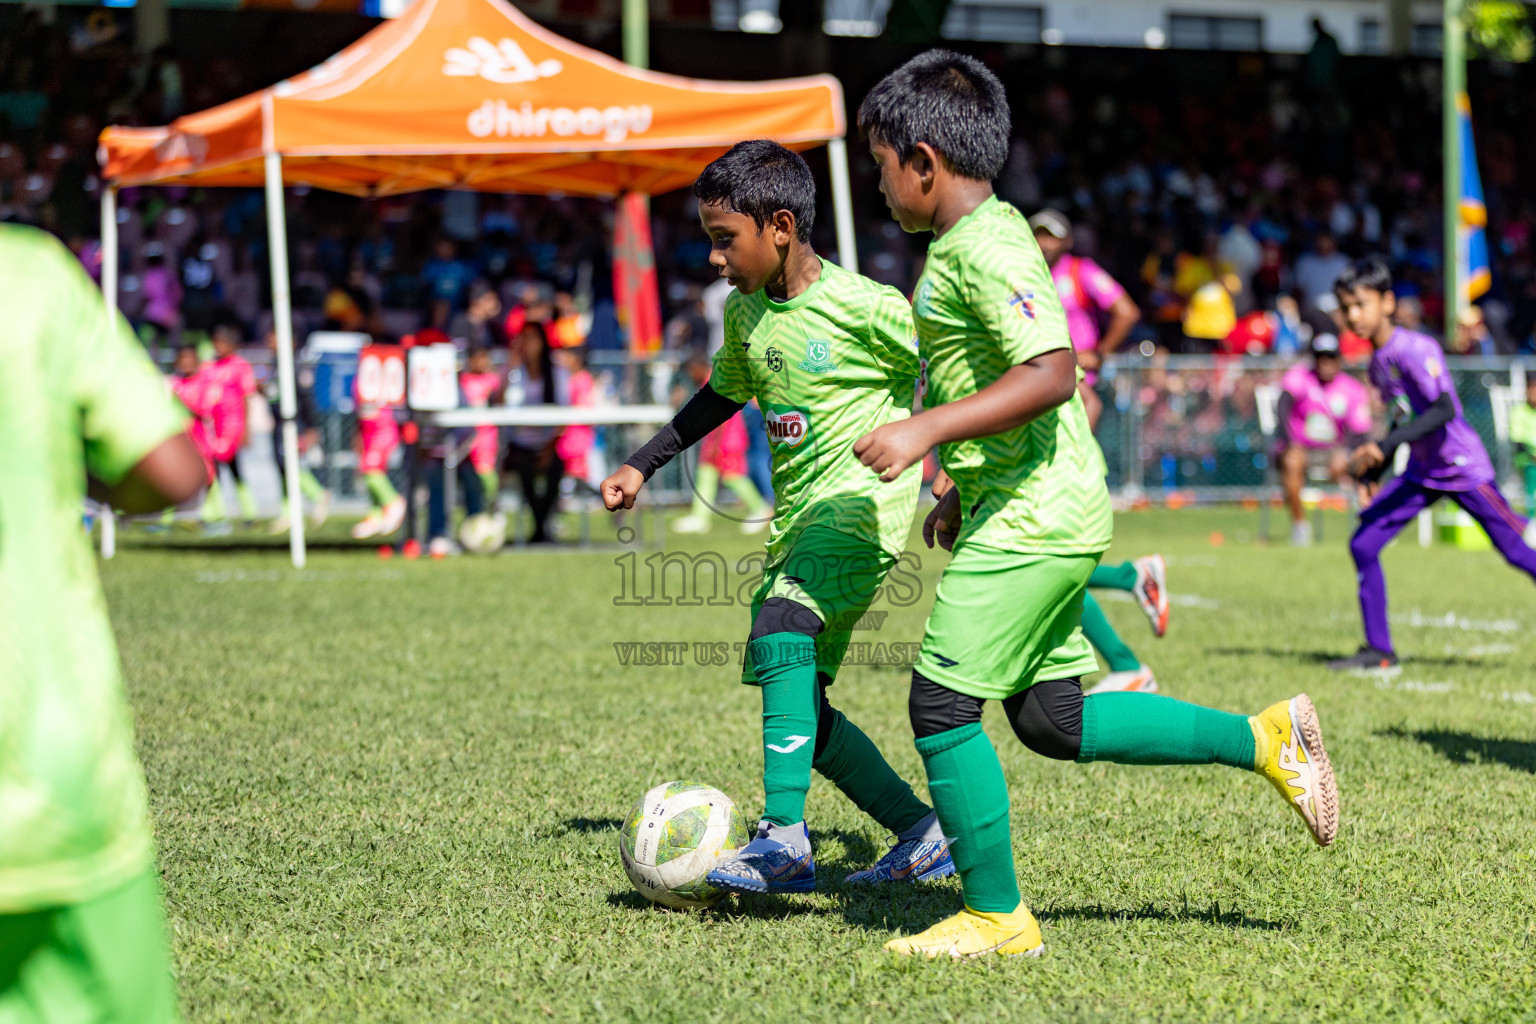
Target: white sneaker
442, 547
1137, 681
691, 524
369, 527
392, 516
1301, 534
751, 526
280, 525
322, 510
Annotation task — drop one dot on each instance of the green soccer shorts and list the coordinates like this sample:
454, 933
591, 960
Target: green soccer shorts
105, 960
1003, 620
835, 575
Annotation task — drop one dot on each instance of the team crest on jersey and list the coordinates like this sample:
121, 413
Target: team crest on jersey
787, 426
818, 356
775, 359
923, 303
1022, 302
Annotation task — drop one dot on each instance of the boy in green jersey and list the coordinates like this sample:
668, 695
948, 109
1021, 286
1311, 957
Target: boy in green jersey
1522, 437
1027, 519
81, 931
829, 356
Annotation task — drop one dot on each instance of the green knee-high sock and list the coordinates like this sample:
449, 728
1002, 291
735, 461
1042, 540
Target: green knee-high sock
854, 765
380, 488
309, 486
1530, 490
1104, 638
213, 504
244, 499
706, 484
785, 664
492, 484
966, 782
1143, 728
746, 493
1114, 577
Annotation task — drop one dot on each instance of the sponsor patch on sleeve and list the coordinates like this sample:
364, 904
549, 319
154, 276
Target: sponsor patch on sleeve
1022, 301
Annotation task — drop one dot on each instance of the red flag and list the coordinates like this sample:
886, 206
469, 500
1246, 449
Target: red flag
634, 274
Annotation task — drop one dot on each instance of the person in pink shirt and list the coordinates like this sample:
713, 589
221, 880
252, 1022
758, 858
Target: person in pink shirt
1323, 415
1088, 294
482, 386
378, 435
231, 383
577, 441
190, 386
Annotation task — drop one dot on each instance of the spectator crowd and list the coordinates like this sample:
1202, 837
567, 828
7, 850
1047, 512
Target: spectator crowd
1212, 186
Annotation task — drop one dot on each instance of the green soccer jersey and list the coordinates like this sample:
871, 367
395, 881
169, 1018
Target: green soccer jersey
1522, 429
986, 303
826, 367
77, 395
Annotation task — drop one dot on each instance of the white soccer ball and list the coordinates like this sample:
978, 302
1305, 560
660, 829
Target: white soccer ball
484, 534
672, 839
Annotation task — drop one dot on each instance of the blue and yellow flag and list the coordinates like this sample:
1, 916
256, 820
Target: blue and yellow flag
1473, 250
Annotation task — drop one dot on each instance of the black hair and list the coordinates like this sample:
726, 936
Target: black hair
948, 100
759, 178
546, 361
225, 319
1370, 273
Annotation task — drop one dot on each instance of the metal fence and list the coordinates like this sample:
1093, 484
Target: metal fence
1199, 426
1192, 426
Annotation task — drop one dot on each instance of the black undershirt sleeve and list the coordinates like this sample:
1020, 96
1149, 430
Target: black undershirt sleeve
1427, 422
705, 411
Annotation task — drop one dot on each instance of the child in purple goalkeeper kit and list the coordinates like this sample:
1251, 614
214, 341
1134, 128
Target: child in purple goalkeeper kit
1446, 457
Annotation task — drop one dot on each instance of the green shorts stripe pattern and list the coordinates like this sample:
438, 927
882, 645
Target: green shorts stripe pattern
1003, 620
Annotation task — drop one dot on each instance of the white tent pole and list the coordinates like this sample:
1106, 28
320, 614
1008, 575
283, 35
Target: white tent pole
109, 247
282, 322
842, 205
109, 292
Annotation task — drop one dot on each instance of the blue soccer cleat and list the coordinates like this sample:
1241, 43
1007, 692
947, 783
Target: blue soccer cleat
908, 860
768, 863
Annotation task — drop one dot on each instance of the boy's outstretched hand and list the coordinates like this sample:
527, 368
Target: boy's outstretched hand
891, 449
620, 488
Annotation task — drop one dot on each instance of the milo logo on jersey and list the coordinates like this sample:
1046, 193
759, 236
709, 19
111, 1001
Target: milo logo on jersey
787, 426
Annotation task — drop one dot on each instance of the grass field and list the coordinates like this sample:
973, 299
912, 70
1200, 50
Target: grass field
389, 791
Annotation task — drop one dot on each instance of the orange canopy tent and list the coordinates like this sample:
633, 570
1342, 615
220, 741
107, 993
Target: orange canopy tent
465, 94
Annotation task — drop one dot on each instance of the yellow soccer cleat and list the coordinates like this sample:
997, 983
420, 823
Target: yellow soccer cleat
973, 933
1290, 741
